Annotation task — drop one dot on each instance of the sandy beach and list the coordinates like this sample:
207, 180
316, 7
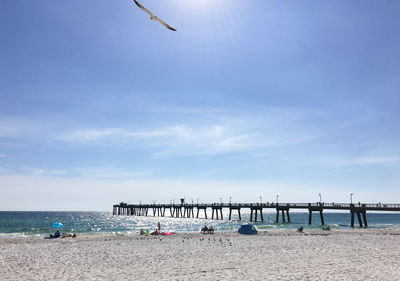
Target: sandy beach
359, 254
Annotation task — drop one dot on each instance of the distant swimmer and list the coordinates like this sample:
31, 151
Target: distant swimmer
153, 17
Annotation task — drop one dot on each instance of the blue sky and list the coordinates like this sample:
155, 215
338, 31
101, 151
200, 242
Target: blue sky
98, 104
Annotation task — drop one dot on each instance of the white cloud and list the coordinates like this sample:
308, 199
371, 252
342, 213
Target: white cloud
91, 135
108, 172
2, 155
208, 132
112, 173
343, 161
186, 131
184, 139
374, 160
42, 172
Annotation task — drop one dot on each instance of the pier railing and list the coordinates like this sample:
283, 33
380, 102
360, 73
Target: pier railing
272, 205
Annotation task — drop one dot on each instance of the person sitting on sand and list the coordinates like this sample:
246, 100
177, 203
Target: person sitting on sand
211, 230
155, 232
327, 228
56, 235
300, 229
204, 230
141, 232
74, 235
66, 234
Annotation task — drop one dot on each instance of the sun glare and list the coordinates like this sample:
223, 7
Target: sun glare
201, 5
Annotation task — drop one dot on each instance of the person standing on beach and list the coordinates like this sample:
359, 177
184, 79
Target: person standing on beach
159, 227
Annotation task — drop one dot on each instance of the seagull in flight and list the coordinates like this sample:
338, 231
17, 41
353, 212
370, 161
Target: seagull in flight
153, 17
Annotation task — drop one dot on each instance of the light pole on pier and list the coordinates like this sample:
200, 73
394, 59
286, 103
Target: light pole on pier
230, 200
277, 197
260, 199
351, 198
192, 201
320, 200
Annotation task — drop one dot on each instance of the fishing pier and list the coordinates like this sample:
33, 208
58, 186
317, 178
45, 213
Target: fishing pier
186, 210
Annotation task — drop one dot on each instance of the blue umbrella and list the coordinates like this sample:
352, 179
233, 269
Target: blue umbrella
57, 224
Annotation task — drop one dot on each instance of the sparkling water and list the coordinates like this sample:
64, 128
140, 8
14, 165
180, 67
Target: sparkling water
21, 224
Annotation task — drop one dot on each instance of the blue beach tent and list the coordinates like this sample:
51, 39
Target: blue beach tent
247, 229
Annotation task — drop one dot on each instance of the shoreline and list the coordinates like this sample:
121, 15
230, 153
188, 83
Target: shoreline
100, 236
276, 232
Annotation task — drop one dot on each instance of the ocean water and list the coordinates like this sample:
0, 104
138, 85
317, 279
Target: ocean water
25, 224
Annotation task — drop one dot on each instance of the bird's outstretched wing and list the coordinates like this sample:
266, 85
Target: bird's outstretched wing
143, 8
164, 23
